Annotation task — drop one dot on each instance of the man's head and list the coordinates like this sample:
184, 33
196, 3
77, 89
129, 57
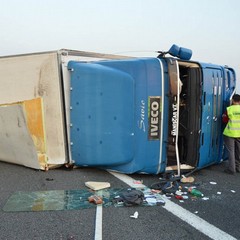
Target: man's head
236, 99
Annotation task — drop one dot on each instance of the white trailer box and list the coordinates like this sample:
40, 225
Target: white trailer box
34, 107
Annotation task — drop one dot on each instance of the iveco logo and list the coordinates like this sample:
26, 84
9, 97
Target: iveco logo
154, 118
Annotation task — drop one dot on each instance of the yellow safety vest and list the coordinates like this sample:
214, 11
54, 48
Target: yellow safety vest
233, 126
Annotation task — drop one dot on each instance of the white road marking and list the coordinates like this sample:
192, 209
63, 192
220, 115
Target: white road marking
98, 223
198, 223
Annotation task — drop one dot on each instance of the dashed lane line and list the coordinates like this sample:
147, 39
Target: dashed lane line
98, 223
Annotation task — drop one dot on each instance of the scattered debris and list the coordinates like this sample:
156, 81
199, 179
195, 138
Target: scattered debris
69, 166
195, 192
49, 179
151, 200
135, 215
95, 199
160, 202
138, 181
179, 197
170, 187
97, 185
155, 191
191, 187
130, 197
187, 179
179, 193
168, 195
213, 183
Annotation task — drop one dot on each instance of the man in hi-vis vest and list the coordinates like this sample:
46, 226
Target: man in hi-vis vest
232, 135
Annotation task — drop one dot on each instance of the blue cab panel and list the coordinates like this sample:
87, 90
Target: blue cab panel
116, 112
148, 115
218, 85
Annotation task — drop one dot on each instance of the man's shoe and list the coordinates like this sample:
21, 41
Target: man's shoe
228, 171
238, 170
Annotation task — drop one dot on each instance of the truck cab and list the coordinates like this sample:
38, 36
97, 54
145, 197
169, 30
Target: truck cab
148, 115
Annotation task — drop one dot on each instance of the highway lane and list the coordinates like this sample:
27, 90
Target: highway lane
220, 210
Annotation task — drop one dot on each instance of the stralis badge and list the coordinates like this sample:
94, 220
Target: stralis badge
154, 117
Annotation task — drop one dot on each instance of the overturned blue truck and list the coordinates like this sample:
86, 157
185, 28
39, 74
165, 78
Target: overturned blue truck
131, 115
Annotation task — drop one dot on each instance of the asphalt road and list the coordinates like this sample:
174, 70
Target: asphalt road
220, 209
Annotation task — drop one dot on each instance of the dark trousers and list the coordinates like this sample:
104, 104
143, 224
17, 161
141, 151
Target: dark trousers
233, 148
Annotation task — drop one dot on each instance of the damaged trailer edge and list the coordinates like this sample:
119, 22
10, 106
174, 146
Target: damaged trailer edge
34, 107
131, 115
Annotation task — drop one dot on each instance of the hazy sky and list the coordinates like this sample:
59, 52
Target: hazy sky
211, 28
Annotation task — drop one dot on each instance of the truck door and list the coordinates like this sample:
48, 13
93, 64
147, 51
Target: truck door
217, 114
211, 120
